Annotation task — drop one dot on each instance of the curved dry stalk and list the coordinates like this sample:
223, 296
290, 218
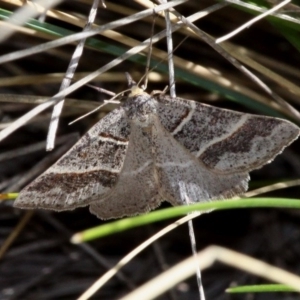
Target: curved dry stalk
207, 258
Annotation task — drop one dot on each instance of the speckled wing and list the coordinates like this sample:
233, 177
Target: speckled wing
137, 189
87, 172
225, 141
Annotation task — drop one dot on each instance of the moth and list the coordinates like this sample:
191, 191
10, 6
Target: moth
155, 148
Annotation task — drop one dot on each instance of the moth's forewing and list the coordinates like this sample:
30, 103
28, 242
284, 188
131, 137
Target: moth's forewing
225, 141
86, 173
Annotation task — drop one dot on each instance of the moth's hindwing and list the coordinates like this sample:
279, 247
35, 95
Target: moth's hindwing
137, 189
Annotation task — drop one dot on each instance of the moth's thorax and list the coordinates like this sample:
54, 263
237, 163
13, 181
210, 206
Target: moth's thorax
139, 107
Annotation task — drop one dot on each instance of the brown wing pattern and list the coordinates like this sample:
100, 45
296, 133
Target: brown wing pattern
225, 141
86, 173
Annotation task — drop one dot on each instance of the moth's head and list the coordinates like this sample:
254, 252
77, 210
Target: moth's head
139, 105
135, 90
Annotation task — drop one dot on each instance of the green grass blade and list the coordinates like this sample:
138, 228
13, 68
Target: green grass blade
262, 288
173, 212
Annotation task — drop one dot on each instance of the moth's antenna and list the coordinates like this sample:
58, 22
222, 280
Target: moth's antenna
102, 90
112, 100
163, 59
